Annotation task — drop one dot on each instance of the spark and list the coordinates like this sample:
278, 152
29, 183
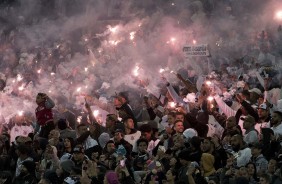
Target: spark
194, 41
172, 4
113, 29
78, 119
162, 70
78, 89
52, 73
136, 71
210, 98
208, 83
21, 87
96, 113
132, 35
39, 71
19, 77
278, 15
172, 104
85, 69
20, 113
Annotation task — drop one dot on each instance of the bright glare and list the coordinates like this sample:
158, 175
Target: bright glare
279, 15
172, 104
210, 98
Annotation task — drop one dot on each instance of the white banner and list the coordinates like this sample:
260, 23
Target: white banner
196, 50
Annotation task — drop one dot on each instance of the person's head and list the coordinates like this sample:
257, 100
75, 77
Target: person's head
179, 116
27, 167
276, 117
264, 179
256, 149
142, 144
272, 166
41, 97
111, 177
252, 170
111, 120
231, 122
118, 135
254, 94
173, 161
22, 151
263, 111
249, 122
110, 147
171, 118
128, 123
55, 134
68, 143
242, 172
82, 128
78, 153
236, 142
207, 146
178, 126
146, 131
170, 175
62, 124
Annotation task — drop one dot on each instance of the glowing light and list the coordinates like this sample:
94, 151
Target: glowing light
172, 39
194, 41
39, 71
50, 91
85, 69
78, 89
58, 46
96, 113
172, 104
20, 113
208, 83
19, 77
136, 71
21, 87
86, 39
162, 70
78, 119
132, 35
139, 25
172, 4
52, 73
113, 42
172, 72
210, 98
113, 29
278, 15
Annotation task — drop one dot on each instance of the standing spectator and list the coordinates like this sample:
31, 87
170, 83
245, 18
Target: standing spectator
251, 134
44, 115
258, 159
65, 130
243, 153
84, 137
27, 173
22, 152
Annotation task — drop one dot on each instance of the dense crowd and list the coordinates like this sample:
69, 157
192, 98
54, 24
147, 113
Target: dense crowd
197, 120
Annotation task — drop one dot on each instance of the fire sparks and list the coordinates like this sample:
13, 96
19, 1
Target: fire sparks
96, 113
210, 98
136, 71
78, 89
194, 42
39, 71
132, 35
20, 113
172, 104
278, 15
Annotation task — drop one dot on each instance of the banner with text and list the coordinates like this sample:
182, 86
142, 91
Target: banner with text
196, 50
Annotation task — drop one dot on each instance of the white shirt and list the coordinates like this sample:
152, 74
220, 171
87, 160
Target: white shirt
89, 143
244, 157
277, 130
132, 138
251, 137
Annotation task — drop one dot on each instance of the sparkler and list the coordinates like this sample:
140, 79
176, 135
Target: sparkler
85, 69
96, 113
278, 15
162, 70
20, 113
172, 104
21, 87
210, 98
78, 119
136, 71
39, 71
132, 35
19, 77
78, 89
208, 83
52, 73
194, 42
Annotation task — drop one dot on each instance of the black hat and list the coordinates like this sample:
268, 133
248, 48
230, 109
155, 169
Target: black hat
256, 145
30, 166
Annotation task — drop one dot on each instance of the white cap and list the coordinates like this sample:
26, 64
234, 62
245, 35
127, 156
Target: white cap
189, 133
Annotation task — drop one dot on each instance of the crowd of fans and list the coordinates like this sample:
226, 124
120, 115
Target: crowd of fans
223, 127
